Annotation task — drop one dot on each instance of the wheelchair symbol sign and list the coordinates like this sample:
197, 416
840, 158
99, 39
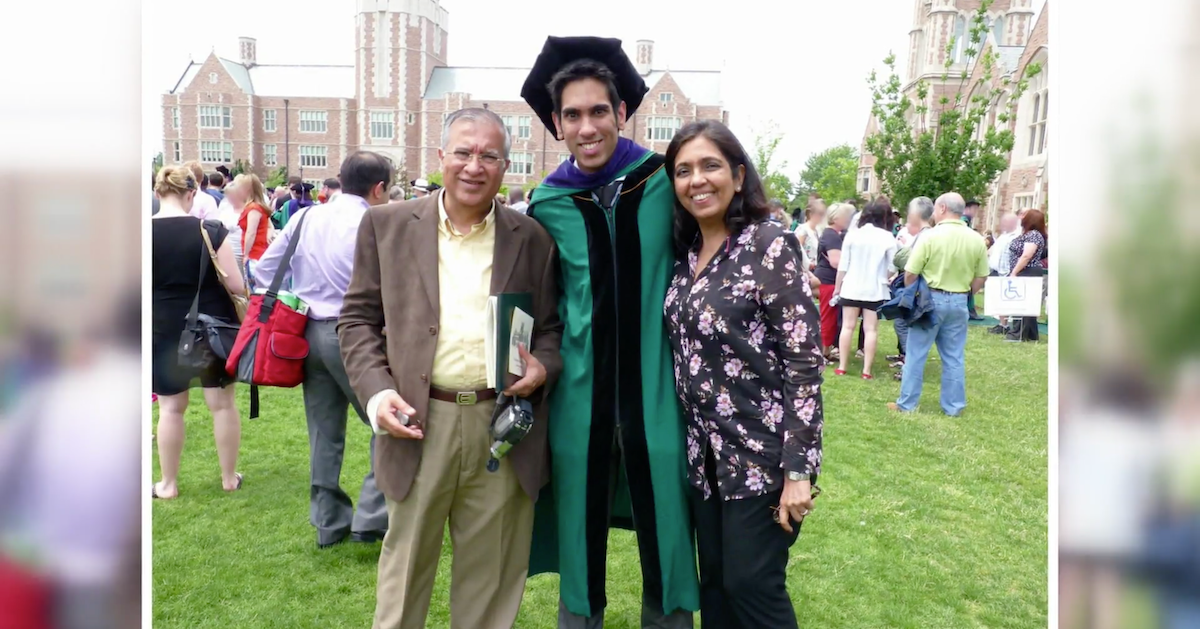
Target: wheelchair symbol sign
1013, 296
1013, 291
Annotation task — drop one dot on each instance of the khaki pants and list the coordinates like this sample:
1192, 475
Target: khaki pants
491, 528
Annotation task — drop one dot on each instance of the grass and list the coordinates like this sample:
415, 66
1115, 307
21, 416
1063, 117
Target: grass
925, 521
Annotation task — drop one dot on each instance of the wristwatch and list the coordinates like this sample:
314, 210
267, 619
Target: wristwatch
796, 476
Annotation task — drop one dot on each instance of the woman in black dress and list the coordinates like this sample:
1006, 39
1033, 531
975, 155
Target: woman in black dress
744, 334
175, 270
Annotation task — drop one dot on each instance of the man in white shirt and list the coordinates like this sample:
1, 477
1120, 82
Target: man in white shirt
330, 189
204, 205
516, 200
998, 260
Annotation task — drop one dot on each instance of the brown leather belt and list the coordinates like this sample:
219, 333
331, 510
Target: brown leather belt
462, 398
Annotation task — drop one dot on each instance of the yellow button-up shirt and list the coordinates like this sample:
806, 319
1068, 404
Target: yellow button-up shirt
464, 285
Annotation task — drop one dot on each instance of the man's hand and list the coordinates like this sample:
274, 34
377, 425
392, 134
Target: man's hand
795, 504
535, 375
386, 417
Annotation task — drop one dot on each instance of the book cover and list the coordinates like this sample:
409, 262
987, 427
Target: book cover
509, 323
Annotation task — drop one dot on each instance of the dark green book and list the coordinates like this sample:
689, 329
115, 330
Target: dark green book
509, 323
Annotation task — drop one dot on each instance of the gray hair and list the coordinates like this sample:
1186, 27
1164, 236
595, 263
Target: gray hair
476, 114
953, 202
923, 206
396, 193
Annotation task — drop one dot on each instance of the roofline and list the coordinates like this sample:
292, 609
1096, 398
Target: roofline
180, 80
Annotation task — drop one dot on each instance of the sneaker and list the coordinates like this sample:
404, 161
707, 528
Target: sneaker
898, 376
891, 358
997, 329
859, 354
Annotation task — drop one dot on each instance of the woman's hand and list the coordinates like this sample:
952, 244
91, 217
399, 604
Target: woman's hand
795, 504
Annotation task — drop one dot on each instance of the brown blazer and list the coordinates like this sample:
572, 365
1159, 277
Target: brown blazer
395, 284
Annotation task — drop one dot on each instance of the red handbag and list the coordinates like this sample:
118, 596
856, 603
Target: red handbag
270, 347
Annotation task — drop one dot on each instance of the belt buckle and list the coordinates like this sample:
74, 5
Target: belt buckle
465, 398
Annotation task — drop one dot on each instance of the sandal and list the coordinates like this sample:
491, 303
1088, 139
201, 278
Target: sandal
239, 483
840, 372
867, 376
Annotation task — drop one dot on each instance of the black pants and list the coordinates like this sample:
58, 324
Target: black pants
1027, 327
743, 560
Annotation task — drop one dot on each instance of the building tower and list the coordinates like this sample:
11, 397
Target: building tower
398, 44
1018, 23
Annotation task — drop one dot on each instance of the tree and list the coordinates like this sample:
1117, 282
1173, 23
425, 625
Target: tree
155, 165
831, 174
777, 184
277, 178
957, 153
240, 167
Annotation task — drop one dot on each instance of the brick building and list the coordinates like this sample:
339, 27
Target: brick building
393, 100
1019, 35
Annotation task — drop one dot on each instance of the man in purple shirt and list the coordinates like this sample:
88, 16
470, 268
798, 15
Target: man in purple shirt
320, 273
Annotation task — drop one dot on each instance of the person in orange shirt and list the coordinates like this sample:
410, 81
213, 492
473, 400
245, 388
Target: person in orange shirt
254, 220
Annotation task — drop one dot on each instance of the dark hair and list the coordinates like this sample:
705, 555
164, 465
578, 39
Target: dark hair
362, 170
216, 179
579, 70
877, 213
971, 203
293, 180
747, 206
1034, 220
333, 184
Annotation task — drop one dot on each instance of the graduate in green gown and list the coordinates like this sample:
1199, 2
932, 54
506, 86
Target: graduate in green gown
616, 430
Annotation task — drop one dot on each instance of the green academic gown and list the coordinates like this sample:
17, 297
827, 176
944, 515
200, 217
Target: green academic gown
617, 382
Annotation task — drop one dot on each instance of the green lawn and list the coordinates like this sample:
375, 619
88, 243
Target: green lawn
925, 521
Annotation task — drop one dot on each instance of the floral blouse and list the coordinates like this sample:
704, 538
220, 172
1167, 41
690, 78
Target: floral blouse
748, 367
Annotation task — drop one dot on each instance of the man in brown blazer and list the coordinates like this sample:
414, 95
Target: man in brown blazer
425, 269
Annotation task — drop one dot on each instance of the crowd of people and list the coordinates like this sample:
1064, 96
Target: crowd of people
681, 321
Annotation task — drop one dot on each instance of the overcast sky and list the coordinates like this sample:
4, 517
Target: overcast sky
802, 65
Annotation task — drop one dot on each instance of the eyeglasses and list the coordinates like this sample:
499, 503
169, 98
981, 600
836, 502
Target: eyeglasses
816, 491
487, 159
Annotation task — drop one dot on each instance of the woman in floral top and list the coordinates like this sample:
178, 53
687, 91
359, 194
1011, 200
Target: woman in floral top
744, 332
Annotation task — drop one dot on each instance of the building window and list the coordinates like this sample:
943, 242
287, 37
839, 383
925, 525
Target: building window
998, 29
216, 152
524, 130
216, 117
522, 164
314, 121
1037, 127
313, 157
510, 124
269, 121
412, 119
178, 152
270, 155
1022, 202
316, 183
212, 77
174, 117
562, 157
383, 125
960, 40
661, 127
666, 97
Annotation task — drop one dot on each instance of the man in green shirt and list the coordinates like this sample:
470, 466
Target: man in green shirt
952, 258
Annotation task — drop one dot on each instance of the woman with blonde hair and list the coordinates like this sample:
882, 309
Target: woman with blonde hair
179, 253
829, 254
254, 219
